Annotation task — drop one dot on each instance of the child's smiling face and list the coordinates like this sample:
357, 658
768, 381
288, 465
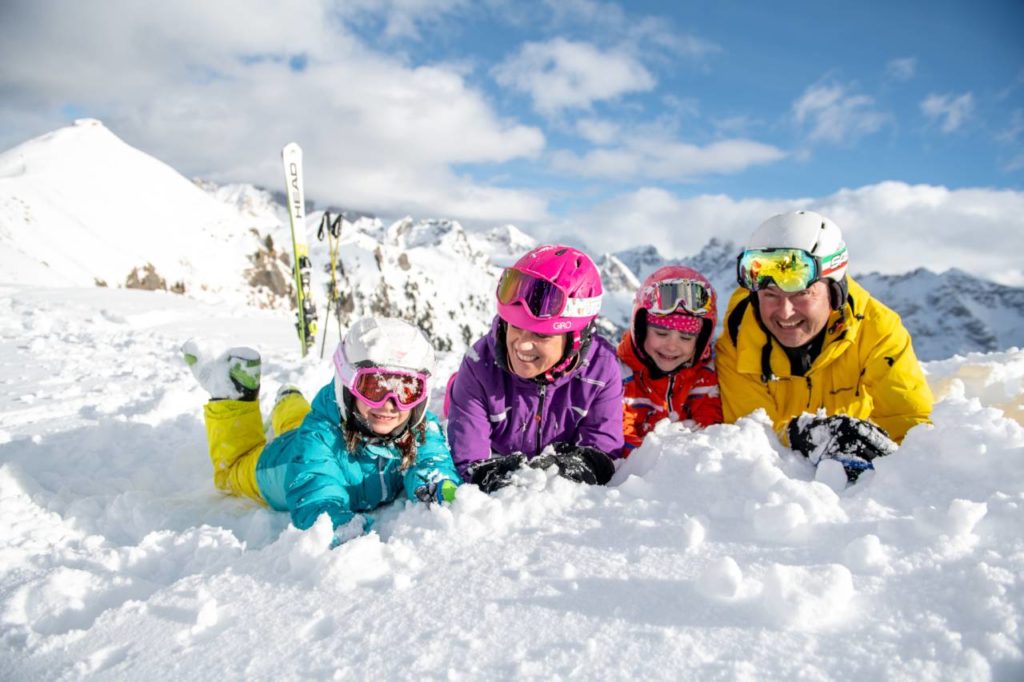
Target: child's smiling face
668, 348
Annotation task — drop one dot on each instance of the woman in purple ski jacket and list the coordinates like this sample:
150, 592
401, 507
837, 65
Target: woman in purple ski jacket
540, 378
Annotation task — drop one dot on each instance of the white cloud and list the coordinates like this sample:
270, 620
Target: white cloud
675, 225
659, 157
403, 18
902, 69
1010, 141
890, 227
833, 114
598, 131
1015, 163
653, 36
562, 74
951, 111
212, 87
1012, 133
653, 33
734, 125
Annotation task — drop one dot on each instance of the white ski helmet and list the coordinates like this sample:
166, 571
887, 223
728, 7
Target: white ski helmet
387, 343
807, 230
811, 232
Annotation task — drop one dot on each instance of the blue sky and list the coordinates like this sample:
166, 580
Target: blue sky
611, 124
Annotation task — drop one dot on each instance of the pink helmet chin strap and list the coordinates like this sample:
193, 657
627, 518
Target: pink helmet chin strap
572, 356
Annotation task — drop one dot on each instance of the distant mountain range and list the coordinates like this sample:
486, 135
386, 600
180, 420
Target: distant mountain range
79, 207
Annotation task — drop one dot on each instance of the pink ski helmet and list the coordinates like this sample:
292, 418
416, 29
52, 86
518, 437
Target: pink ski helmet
551, 290
676, 297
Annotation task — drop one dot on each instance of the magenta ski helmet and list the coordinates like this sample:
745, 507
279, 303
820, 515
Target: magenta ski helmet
553, 289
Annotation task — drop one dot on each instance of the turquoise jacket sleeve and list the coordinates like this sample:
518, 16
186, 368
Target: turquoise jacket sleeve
433, 460
316, 482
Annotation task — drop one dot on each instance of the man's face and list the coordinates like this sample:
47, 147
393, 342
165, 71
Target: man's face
796, 318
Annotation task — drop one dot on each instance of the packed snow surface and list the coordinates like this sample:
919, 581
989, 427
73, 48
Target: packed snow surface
711, 555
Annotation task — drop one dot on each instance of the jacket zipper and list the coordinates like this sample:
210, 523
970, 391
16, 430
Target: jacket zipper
383, 483
668, 395
539, 418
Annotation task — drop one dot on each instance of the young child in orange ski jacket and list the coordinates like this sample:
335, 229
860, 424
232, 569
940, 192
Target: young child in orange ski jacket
667, 365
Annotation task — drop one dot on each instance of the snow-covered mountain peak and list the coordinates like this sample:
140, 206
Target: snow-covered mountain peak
952, 312
79, 206
615, 275
247, 199
505, 242
87, 146
642, 260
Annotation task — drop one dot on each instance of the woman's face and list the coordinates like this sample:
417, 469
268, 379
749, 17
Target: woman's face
383, 420
669, 348
531, 354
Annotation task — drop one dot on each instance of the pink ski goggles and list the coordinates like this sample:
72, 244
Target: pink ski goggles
541, 298
376, 385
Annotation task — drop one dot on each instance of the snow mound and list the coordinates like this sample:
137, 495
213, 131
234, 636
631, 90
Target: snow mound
712, 554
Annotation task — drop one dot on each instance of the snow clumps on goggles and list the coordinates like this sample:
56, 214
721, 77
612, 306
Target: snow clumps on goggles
376, 385
541, 298
668, 296
791, 270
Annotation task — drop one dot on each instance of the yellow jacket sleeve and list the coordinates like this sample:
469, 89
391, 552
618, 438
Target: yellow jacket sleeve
893, 377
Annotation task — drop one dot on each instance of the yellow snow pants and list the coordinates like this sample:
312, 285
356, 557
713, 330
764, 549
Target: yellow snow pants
234, 433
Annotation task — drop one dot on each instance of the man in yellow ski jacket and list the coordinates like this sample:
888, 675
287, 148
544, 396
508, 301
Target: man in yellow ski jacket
833, 367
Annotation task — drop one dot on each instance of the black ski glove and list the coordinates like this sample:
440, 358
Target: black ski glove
494, 472
579, 463
852, 442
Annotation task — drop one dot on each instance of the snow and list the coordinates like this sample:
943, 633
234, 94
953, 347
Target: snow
80, 206
712, 554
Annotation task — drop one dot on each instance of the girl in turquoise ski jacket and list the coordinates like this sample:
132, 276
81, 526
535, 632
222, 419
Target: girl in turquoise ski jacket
366, 440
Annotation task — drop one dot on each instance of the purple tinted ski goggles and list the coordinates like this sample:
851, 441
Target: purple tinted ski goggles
541, 298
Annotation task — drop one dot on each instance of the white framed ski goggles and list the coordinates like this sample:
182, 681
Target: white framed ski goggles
375, 386
665, 298
541, 298
790, 270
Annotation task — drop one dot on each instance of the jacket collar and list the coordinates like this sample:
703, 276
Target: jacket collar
840, 333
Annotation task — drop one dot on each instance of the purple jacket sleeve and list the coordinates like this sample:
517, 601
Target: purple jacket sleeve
469, 429
601, 428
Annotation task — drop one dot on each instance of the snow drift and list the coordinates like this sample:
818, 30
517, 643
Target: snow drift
713, 554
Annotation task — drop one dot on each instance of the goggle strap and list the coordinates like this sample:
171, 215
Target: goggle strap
834, 261
582, 307
346, 371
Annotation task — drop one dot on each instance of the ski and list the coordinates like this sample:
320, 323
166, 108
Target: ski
305, 323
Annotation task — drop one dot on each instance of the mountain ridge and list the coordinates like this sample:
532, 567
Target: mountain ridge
80, 207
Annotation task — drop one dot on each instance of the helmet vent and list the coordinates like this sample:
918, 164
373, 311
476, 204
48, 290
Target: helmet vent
560, 252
